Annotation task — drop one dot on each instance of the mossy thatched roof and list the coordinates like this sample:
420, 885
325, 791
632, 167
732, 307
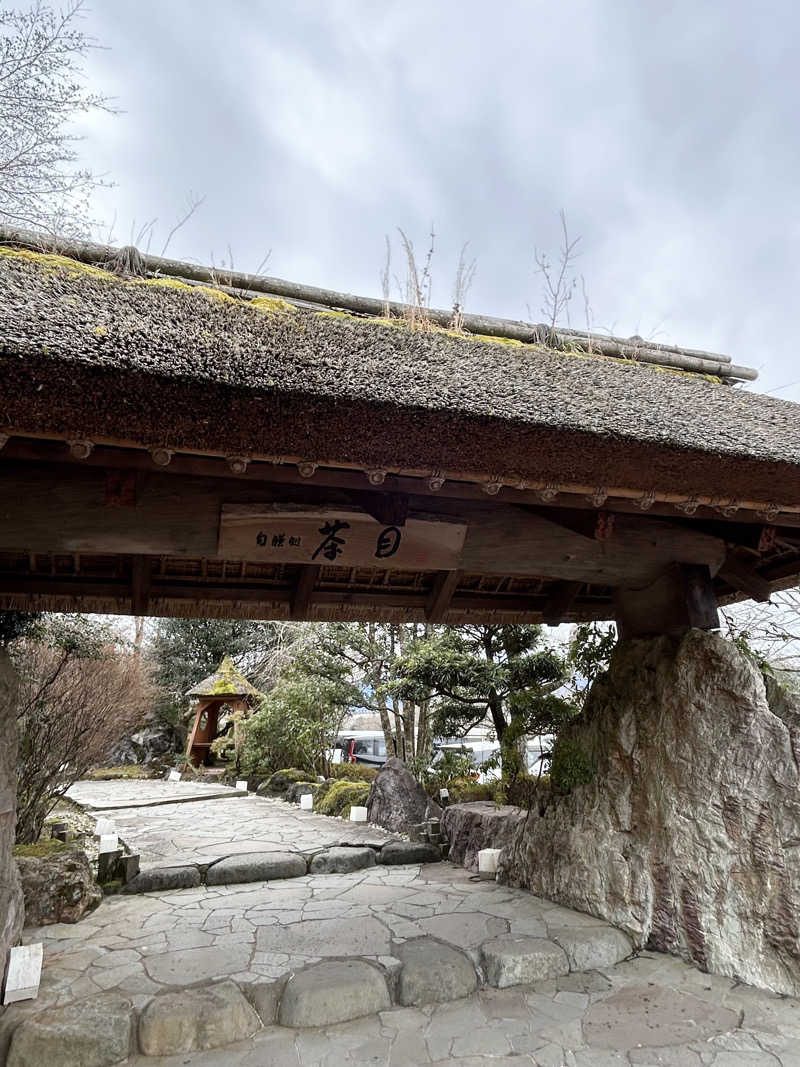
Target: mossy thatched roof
88, 354
226, 681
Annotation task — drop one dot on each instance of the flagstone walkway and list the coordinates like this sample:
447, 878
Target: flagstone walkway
652, 1010
141, 959
201, 830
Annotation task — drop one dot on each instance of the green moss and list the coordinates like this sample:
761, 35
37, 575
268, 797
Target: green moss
165, 283
110, 889
494, 340
341, 796
273, 305
51, 262
354, 772
40, 850
110, 774
100, 331
570, 765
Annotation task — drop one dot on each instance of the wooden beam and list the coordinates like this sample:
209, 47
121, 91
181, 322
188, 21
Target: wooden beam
46, 508
745, 578
444, 586
681, 598
140, 584
301, 594
559, 602
131, 455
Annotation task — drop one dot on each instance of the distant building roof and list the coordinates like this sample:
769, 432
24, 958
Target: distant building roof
226, 681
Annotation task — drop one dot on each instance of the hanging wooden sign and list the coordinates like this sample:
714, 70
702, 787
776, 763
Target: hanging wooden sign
345, 538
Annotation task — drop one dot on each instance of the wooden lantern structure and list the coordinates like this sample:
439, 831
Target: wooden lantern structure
225, 687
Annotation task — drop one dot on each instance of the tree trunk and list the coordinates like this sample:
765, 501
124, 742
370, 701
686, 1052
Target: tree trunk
11, 904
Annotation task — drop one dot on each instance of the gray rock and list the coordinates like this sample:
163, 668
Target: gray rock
161, 878
409, 852
148, 744
11, 902
685, 836
256, 867
397, 801
333, 992
300, 789
193, 1019
433, 972
59, 888
479, 824
89, 1033
511, 961
342, 860
265, 996
590, 948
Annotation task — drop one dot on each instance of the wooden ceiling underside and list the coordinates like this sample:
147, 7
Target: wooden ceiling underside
113, 533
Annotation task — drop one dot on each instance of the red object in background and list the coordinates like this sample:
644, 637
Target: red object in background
351, 752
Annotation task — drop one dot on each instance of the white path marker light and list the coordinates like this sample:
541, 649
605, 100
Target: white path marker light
358, 814
24, 973
174, 776
487, 863
307, 802
242, 784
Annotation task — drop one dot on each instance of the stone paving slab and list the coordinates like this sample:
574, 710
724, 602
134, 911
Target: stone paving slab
141, 792
544, 1025
135, 948
203, 831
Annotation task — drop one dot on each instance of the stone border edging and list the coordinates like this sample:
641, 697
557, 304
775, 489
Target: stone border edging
273, 865
211, 1015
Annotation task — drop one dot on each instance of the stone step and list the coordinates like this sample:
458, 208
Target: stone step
101, 1031
269, 866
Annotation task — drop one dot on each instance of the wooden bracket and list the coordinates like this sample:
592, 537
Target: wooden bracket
745, 578
560, 601
444, 586
301, 594
681, 598
140, 584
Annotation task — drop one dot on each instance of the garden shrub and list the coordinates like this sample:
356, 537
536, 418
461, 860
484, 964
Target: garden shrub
340, 797
280, 781
354, 772
464, 790
570, 765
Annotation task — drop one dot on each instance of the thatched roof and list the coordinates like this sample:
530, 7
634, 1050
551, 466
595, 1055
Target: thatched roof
86, 353
226, 681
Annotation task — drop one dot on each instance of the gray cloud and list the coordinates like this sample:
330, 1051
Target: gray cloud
668, 132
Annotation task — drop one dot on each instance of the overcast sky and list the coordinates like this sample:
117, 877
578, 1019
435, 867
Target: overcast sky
668, 133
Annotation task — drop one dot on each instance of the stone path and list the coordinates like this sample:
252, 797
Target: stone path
650, 1012
203, 830
136, 948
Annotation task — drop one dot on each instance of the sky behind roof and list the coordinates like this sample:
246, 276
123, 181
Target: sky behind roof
668, 133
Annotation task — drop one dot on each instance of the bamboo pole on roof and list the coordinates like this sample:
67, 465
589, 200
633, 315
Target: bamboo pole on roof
244, 284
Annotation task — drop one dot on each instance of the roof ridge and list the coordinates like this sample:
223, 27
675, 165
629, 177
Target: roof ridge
248, 285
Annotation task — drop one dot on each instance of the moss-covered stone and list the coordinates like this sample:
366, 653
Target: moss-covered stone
40, 849
341, 796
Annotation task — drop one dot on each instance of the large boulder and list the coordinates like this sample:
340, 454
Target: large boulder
146, 745
397, 801
686, 837
58, 888
11, 905
477, 825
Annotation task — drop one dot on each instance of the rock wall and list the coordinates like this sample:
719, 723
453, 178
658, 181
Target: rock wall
476, 825
688, 838
11, 907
